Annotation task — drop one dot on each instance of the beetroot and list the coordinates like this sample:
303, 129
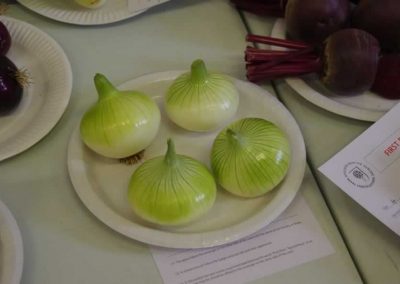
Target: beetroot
381, 19
387, 83
346, 62
350, 61
313, 21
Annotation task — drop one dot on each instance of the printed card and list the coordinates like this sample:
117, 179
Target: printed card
368, 169
292, 239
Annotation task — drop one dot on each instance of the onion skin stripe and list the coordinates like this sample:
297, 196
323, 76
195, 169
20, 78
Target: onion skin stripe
172, 194
201, 101
121, 123
254, 160
216, 90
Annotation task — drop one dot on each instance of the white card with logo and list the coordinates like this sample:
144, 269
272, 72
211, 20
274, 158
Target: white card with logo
292, 239
368, 169
138, 5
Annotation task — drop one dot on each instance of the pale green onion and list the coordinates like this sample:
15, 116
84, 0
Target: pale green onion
121, 123
200, 100
172, 189
250, 157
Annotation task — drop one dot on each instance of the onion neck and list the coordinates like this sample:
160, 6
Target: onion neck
199, 73
104, 87
170, 156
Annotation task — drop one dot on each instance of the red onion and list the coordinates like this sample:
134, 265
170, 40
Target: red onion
5, 39
12, 82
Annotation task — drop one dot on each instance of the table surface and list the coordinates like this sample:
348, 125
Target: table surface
64, 243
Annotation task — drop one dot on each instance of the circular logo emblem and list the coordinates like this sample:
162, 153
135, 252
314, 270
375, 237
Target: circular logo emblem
359, 174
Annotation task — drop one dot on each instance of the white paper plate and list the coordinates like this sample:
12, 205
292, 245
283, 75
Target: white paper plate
68, 11
367, 106
11, 249
44, 101
102, 183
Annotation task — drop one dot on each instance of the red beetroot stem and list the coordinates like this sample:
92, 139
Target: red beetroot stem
309, 65
256, 55
277, 42
268, 64
276, 59
255, 49
258, 73
272, 8
282, 58
251, 57
258, 51
263, 64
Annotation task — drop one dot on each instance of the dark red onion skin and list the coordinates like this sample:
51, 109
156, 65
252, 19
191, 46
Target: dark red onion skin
350, 59
313, 21
382, 20
10, 88
7, 65
5, 39
387, 79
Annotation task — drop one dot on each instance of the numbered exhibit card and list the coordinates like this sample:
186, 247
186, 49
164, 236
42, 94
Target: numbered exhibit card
368, 169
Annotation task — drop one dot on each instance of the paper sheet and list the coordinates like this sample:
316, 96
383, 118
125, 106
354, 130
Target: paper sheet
138, 5
294, 238
368, 169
